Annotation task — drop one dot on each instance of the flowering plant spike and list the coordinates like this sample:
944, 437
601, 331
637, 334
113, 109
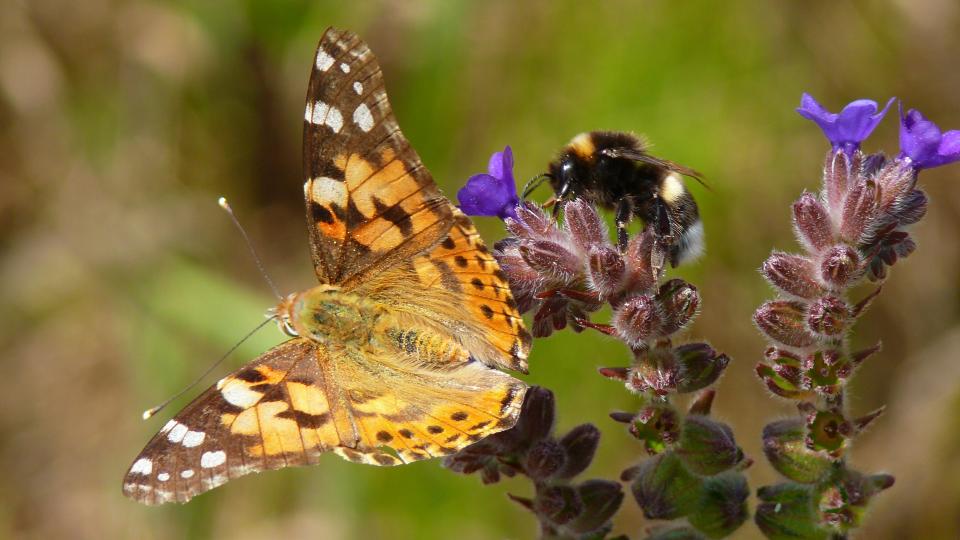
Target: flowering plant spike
563, 272
851, 232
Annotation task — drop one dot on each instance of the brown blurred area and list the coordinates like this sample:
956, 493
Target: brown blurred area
122, 121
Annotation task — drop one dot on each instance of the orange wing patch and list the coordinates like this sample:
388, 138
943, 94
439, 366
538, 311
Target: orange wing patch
462, 264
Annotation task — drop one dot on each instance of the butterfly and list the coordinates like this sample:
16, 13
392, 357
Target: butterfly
395, 356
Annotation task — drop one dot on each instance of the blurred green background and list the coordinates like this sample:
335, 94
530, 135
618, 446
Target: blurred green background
122, 121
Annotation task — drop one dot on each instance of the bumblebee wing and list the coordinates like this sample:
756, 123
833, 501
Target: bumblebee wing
643, 157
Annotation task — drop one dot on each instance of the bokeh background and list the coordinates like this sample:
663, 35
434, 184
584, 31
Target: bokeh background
122, 121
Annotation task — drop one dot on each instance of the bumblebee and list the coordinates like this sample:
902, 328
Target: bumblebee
613, 170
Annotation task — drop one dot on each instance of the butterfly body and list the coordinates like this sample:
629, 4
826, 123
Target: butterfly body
395, 356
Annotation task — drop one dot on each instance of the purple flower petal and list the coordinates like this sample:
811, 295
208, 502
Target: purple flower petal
850, 127
922, 142
492, 194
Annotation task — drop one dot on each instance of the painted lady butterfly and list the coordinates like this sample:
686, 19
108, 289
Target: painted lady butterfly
393, 356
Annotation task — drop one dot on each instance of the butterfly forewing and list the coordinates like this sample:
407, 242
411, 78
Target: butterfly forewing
370, 201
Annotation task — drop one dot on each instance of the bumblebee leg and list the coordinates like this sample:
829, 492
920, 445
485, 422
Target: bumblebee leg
663, 226
624, 215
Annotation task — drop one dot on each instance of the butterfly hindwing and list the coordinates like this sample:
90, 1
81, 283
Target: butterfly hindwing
370, 200
463, 265
227, 431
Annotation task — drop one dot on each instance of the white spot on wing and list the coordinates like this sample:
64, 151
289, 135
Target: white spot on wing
363, 118
358, 87
323, 114
210, 460
324, 61
186, 474
163, 477
237, 393
142, 466
168, 426
193, 438
344, 67
326, 189
176, 434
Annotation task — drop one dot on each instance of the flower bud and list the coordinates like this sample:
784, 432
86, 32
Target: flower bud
551, 259
531, 223
640, 274
828, 316
601, 500
859, 210
792, 274
785, 447
664, 488
606, 270
545, 458
840, 266
699, 365
783, 321
723, 505
637, 320
580, 445
784, 381
706, 446
657, 425
843, 503
536, 415
786, 511
559, 504
678, 301
911, 209
584, 225
827, 431
812, 223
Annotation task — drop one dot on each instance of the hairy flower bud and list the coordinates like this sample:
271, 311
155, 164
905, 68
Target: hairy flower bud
678, 301
664, 488
840, 266
812, 223
559, 504
828, 316
785, 448
723, 505
656, 425
792, 274
584, 225
706, 446
786, 511
606, 270
859, 210
531, 222
783, 321
601, 500
551, 259
698, 365
545, 458
580, 445
640, 273
637, 320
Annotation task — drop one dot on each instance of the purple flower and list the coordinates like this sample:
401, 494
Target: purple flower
922, 142
850, 127
494, 193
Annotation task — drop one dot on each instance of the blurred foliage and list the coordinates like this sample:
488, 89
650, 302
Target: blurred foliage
122, 121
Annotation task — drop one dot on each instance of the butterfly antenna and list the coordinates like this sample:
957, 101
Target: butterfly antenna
154, 410
256, 258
